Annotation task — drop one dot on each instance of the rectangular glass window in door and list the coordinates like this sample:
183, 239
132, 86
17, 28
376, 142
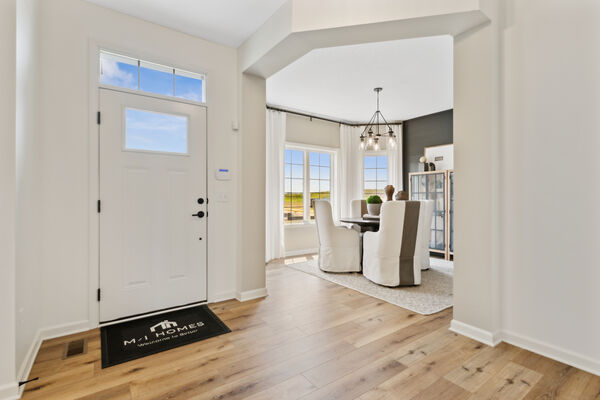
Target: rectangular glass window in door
155, 132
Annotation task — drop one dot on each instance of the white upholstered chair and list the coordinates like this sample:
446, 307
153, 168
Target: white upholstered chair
424, 233
358, 208
339, 247
389, 255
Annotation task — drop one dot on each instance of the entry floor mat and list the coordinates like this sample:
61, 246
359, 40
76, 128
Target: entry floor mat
139, 338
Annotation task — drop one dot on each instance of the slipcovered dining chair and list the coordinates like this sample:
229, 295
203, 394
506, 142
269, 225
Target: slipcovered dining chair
358, 208
339, 247
424, 233
389, 255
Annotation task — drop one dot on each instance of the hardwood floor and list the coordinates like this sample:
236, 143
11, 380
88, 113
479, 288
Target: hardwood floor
313, 339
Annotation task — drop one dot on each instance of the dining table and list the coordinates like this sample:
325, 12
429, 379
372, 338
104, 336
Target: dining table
370, 224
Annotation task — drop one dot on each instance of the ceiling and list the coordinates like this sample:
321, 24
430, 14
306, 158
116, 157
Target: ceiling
228, 22
416, 76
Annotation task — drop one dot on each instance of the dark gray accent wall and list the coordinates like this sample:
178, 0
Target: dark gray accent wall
418, 133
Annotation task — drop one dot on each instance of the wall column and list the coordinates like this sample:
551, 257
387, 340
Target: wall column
251, 275
8, 69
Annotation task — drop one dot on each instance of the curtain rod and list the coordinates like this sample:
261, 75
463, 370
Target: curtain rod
325, 119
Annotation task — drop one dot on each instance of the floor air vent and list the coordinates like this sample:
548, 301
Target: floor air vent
75, 348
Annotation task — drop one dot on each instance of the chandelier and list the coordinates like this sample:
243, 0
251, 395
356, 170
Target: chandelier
373, 139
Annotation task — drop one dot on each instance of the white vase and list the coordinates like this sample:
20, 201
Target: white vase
373, 209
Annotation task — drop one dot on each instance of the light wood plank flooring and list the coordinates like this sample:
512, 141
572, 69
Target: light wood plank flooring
312, 339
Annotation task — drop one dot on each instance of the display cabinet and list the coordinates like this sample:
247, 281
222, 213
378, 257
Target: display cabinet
436, 186
451, 213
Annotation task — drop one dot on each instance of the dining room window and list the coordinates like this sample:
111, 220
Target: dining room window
308, 177
375, 175
320, 178
293, 200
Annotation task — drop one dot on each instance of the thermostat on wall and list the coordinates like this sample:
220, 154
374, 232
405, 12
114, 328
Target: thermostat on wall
223, 174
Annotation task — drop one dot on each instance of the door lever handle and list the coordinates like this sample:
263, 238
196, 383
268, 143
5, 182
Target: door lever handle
199, 214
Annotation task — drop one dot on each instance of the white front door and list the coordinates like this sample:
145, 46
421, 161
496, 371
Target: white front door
153, 204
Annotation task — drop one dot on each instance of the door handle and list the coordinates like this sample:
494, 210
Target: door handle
199, 214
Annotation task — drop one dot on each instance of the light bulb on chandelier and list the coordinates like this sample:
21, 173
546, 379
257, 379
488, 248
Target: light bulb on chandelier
373, 140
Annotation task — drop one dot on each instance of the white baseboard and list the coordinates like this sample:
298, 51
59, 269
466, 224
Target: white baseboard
222, 297
556, 353
580, 361
251, 294
301, 252
9, 391
45, 334
483, 336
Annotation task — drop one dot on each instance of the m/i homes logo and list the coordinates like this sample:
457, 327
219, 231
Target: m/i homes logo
164, 330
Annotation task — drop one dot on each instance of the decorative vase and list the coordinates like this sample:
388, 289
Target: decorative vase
373, 209
389, 192
401, 195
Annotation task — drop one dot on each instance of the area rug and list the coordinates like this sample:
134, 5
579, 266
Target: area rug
432, 296
130, 340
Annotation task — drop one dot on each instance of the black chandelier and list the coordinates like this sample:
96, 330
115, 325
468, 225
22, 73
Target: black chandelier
371, 140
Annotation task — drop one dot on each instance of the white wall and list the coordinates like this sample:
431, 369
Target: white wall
551, 177
526, 101
8, 386
29, 169
67, 30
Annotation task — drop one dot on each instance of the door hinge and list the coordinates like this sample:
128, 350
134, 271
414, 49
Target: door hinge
98, 294
98, 118
99, 206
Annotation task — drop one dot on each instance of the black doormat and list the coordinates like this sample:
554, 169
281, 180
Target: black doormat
139, 338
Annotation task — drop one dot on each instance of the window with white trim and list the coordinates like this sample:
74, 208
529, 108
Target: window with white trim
375, 175
133, 74
308, 177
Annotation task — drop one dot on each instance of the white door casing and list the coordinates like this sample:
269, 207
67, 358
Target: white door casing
152, 249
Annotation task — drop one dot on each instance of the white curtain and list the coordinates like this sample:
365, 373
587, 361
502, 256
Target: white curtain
395, 160
275, 185
350, 169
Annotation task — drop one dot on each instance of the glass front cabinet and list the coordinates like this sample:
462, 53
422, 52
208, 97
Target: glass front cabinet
437, 186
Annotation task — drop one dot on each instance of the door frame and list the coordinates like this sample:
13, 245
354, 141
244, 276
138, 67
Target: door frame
93, 136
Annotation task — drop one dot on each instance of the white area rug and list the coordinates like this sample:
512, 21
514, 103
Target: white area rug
432, 296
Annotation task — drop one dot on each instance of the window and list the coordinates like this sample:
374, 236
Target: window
308, 177
152, 131
130, 73
320, 178
293, 205
375, 175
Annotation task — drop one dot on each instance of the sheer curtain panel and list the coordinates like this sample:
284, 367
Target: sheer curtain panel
275, 184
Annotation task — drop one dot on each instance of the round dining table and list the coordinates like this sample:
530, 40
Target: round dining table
365, 224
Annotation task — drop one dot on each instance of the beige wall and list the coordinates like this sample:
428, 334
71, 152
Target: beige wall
301, 239
29, 170
314, 132
475, 132
254, 128
8, 385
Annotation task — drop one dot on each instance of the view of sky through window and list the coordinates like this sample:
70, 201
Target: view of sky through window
375, 175
151, 131
129, 73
